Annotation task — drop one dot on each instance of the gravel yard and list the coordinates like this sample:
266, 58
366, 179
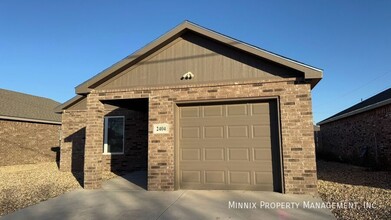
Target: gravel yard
338, 182
25, 185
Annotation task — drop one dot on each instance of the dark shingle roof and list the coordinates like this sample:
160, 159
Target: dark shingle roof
27, 107
368, 104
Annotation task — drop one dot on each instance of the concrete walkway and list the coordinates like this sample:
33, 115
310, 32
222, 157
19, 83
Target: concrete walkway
126, 198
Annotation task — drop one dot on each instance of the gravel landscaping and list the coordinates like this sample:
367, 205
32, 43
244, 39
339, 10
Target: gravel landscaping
338, 182
25, 185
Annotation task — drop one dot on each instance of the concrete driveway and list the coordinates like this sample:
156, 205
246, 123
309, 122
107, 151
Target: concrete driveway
126, 198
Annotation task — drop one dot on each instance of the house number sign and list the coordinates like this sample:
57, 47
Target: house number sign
163, 128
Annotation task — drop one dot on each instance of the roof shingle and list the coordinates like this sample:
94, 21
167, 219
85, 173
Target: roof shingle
29, 107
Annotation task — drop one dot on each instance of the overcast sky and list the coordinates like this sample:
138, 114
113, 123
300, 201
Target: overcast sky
48, 47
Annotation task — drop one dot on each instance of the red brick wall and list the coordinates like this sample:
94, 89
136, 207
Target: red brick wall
73, 140
136, 145
135, 149
298, 151
27, 142
349, 138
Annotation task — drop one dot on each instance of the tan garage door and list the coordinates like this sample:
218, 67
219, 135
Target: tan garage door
227, 146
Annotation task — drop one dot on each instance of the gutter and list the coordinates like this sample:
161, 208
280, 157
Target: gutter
30, 120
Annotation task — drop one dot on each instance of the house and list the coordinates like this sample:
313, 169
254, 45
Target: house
29, 129
360, 134
197, 110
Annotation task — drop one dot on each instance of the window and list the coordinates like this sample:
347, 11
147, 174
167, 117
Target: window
113, 142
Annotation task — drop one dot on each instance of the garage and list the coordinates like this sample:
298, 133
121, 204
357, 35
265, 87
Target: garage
229, 146
221, 114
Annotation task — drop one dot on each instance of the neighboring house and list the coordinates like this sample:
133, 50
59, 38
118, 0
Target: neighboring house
197, 110
360, 134
29, 129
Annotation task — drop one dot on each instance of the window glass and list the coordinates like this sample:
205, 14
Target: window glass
114, 135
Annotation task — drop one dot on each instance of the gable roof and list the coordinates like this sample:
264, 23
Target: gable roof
373, 102
25, 107
311, 74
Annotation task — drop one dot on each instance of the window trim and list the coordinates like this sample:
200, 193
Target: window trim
105, 136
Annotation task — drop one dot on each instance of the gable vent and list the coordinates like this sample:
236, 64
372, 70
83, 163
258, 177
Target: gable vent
187, 76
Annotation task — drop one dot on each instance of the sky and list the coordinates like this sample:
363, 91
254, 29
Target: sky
49, 47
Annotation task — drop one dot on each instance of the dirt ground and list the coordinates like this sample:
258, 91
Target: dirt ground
371, 190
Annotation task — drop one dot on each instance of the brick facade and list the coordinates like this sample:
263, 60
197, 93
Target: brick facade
298, 153
136, 142
74, 135
362, 139
28, 142
73, 140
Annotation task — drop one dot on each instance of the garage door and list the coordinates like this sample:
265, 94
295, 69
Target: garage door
228, 146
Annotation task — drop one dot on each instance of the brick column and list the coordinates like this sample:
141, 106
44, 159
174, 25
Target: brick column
161, 174
298, 141
94, 143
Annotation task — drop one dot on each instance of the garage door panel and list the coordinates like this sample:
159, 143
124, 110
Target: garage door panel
229, 121
239, 177
223, 121
213, 111
191, 176
237, 131
259, 131
230, 165
190, 132
190, 154
259, 166
201, 144
263, 178
231, 143
238, 142
213, 132
214, 154
236, 110
239, 154
213, 177
260, 108
231, 187
190, 112
255, 121
226, 146
262, 154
